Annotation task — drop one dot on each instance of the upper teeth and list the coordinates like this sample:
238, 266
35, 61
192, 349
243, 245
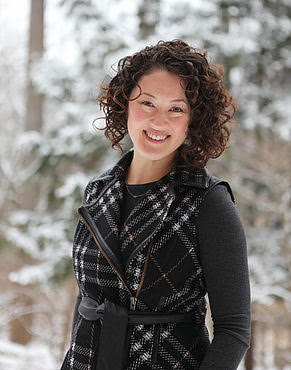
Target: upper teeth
156, 137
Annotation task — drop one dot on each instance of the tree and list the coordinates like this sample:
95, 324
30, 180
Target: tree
248, 38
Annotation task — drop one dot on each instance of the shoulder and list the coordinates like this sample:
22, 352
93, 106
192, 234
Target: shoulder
219, 195
95, 183
218, 208
219, 219
105, 175
201, 181
217, 202
219, 189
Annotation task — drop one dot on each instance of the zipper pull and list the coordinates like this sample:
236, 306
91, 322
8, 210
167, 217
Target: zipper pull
133, 301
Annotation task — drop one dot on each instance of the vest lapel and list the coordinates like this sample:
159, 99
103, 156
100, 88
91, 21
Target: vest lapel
102, 214
103, 218
146, 219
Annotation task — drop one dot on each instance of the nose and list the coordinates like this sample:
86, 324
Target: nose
159, 119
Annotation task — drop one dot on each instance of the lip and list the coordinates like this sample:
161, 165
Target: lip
156, 132
152, 140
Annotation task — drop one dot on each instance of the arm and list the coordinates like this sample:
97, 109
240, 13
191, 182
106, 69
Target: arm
223, 253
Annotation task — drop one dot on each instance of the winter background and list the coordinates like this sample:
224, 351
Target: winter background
52, 62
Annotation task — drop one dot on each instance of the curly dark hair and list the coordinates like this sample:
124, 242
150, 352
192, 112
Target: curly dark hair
211, 105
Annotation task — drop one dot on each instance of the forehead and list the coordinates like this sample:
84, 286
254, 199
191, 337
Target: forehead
161, 81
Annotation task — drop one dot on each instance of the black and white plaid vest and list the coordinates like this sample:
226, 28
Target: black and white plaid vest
164, 221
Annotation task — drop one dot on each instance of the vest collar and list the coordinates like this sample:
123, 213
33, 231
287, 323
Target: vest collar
197, 177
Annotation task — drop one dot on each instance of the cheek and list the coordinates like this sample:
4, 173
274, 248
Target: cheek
136, 115
182, 127
134, 122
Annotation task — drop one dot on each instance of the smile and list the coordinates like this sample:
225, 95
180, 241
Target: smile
155, 138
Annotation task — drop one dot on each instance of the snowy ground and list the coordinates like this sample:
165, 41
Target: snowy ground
38, 357
33, 357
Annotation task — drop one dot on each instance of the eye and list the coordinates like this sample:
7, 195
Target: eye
177, 109
147, 103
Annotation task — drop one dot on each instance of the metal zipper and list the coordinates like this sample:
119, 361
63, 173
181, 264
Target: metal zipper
144, 242
133, 299
84, 213
133, 254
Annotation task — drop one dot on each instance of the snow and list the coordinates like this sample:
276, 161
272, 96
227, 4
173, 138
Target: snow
32, 356
82, 45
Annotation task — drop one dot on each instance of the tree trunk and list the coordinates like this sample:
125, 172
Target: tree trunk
34, 104
149, 16
20, 327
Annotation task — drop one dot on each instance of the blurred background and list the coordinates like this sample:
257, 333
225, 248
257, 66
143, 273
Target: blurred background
53, 57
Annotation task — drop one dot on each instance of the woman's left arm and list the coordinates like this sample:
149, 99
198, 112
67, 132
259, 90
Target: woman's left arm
223, 254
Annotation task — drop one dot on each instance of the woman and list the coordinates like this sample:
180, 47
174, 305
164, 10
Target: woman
157, 231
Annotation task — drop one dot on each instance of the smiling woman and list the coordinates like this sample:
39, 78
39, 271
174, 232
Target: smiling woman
157, 232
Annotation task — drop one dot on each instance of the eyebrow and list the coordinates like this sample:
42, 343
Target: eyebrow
174, 100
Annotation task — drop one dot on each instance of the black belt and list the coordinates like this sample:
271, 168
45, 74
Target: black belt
114, 319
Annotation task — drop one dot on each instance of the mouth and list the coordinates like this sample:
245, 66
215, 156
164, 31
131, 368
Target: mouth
156, 138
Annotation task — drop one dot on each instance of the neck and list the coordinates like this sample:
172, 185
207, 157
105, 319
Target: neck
142, 171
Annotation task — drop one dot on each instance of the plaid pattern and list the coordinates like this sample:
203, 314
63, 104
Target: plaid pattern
165, 217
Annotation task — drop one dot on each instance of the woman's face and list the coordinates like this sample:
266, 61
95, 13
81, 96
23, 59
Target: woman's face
161, 110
